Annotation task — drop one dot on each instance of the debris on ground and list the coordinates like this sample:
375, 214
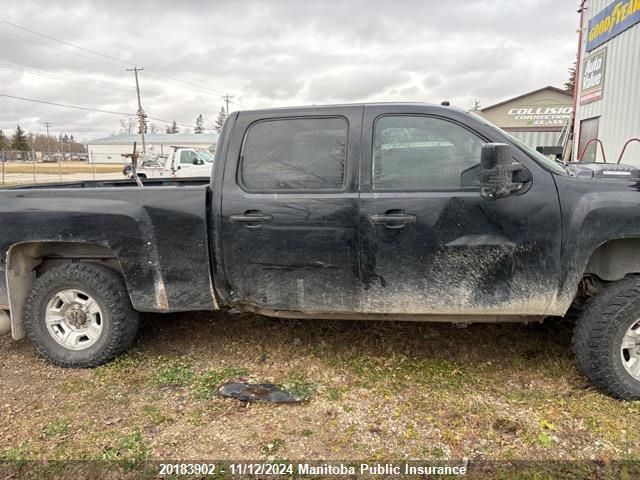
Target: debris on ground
257, 392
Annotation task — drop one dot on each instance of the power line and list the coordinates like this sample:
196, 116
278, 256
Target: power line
110, 112
62, 78
89, 109
124, 62
210, 90
67, 43
62, 49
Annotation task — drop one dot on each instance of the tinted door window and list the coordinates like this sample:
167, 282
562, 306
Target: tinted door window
295, 154
423, 153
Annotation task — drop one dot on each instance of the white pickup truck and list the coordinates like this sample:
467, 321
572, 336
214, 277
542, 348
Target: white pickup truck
182, 162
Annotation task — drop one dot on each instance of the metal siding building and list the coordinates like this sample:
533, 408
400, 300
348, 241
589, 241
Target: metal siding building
109, 150
536, 118
612, 114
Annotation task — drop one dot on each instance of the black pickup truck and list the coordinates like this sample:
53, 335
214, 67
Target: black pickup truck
377, 211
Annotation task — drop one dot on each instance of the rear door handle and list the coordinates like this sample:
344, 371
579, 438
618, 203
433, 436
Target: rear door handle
392, 219
249, 217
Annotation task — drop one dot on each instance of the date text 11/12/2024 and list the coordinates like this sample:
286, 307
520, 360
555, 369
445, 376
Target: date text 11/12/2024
337, 469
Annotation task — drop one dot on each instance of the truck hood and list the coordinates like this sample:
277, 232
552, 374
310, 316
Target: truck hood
603, 170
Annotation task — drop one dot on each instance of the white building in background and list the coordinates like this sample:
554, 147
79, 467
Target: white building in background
110, 149
608, 97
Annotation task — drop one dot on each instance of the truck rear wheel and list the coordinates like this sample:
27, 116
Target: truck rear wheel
606, 339
80, 315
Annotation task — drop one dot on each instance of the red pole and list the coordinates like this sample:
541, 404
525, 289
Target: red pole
578, 62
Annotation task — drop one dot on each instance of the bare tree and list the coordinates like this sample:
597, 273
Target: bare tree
153, 128
129, 125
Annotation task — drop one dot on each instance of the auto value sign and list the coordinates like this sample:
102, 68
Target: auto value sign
593, 77
612, 21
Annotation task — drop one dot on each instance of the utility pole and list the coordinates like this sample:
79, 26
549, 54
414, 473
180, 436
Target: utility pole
227, 97
141, 115
47, 125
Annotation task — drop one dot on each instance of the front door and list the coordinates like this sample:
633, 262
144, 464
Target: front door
430, 243
290, 210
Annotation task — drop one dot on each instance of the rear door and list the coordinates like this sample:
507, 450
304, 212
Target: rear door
290, 210
430, 243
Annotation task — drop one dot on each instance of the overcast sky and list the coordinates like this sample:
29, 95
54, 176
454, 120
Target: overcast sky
271, 53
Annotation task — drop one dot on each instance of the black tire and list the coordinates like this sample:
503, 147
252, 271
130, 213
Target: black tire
598, 334
119, 320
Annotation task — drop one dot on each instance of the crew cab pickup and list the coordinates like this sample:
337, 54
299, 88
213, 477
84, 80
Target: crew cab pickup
377, 211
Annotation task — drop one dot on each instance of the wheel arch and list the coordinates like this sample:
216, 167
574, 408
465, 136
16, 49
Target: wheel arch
26, 260
615, 259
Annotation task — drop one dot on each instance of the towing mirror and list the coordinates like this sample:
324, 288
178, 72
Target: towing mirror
501, 175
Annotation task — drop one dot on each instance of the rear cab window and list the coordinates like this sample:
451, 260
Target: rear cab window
293, 154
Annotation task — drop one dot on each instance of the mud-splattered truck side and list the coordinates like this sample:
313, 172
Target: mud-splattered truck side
377, 211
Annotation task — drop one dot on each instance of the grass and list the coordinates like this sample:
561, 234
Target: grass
300, 386
374, 390
56, 428
129, 448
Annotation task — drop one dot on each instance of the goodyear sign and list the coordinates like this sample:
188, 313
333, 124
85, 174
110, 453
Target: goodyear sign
612, 21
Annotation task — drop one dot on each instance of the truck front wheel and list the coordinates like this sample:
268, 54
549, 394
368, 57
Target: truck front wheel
80, 315
606, 339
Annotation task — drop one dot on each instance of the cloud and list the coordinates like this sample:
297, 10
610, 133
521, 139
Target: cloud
268, 53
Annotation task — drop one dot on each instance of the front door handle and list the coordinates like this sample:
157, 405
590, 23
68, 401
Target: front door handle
251, 218
392, 219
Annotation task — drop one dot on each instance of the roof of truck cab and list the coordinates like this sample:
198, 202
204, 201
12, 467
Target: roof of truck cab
350, 105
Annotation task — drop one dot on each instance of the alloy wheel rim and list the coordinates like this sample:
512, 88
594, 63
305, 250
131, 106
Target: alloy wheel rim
630, 350
74, 319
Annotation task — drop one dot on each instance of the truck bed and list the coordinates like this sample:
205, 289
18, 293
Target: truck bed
158, 235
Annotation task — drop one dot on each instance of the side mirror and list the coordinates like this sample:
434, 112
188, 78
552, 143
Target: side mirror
197, 161
501, 175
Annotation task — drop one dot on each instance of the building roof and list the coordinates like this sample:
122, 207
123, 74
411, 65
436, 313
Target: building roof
549, 87
164, 138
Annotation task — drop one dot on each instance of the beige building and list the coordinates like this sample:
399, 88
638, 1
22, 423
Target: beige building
536, 118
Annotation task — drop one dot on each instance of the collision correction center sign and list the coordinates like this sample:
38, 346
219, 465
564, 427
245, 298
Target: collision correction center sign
540, 116
613, 20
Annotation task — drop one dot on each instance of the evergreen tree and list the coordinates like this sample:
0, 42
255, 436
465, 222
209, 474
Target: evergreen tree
173, 128
4, 141
220, 120
570, 84
199, 125
19, 140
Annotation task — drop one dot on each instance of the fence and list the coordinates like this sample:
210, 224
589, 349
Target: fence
30, 167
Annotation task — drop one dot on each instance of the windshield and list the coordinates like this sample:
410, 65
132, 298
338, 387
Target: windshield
205, 155
546, 161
